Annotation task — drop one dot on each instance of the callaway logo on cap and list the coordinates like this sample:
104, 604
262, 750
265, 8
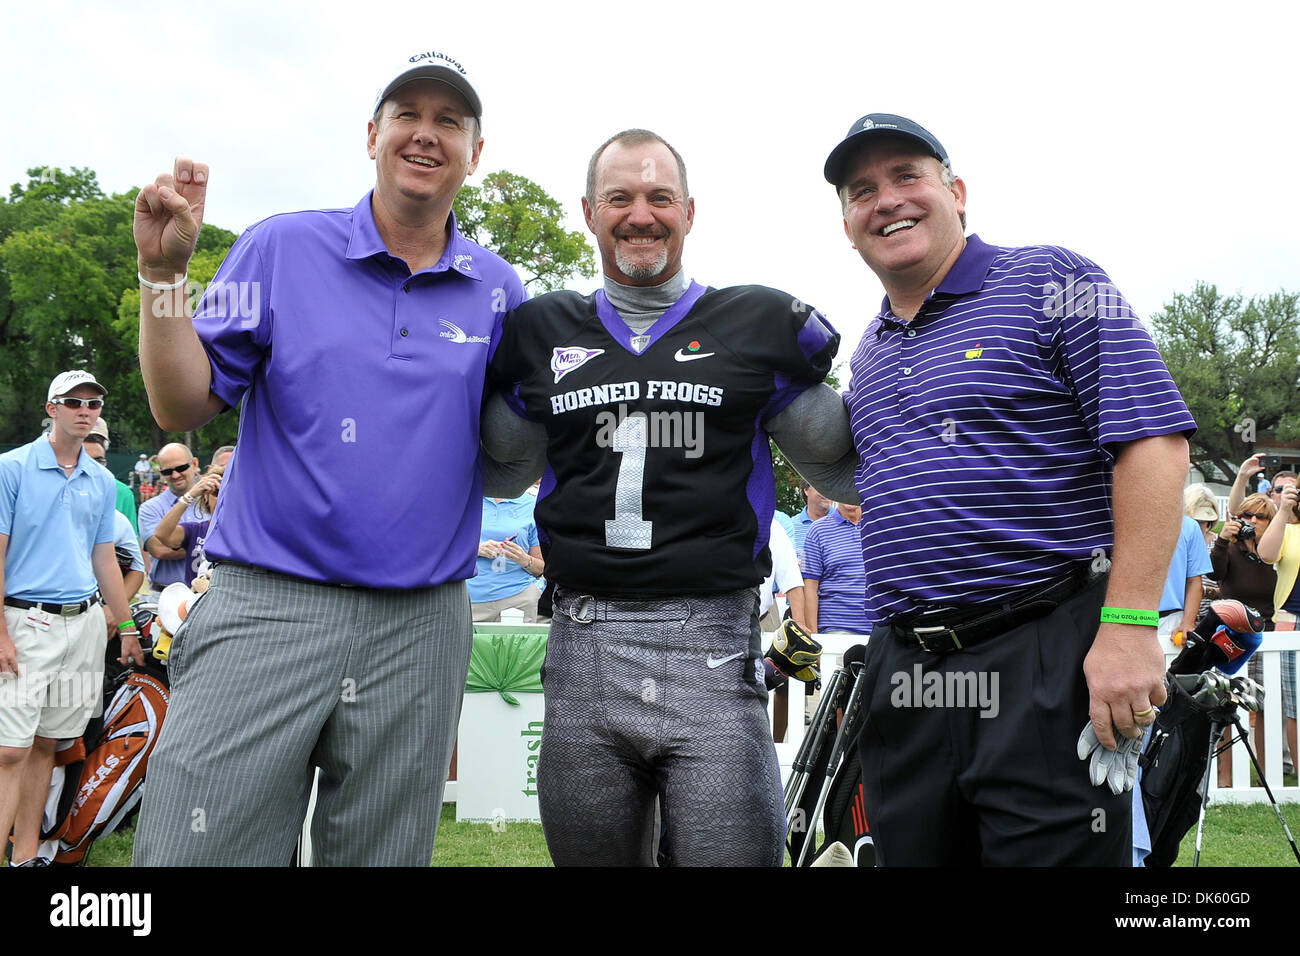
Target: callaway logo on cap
433, 65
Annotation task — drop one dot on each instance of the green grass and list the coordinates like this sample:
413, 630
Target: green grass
459, 844
477, 844
1234, 836
1242, 836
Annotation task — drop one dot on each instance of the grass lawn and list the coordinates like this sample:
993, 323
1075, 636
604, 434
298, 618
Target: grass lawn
459, 844
1234, 836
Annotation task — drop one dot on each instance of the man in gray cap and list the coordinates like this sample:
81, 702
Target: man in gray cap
335, 635
1049, 441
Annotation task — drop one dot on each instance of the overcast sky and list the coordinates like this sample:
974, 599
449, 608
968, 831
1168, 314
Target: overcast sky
1157, 139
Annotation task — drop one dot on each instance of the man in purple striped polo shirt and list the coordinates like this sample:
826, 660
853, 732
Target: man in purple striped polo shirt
1048, 438
834, 583
336, 631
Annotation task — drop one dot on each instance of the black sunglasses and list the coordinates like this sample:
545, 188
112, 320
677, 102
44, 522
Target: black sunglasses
78, 402
1246, 514
166, 472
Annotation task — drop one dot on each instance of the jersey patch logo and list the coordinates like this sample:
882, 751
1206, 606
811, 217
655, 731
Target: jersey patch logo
564, 361
681, 355
974, 353
455, 333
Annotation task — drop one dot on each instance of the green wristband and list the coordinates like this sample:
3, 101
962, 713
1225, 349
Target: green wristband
129, 622
1129, 615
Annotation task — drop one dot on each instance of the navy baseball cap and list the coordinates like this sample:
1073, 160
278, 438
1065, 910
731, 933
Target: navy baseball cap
432, 65
876, 123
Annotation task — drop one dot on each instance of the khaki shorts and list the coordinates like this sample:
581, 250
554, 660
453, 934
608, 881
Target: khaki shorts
60, 676
526, 601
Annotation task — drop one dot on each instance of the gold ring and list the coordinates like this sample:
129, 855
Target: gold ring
1144, 713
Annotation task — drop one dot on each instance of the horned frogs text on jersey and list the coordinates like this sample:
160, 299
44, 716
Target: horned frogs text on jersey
659, 477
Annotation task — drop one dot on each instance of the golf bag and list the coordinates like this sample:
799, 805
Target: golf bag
845, 818
97, 782
112, 775
1185, 735
1173, 772
826, 779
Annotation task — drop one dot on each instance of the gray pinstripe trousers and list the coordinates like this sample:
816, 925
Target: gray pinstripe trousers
273, 676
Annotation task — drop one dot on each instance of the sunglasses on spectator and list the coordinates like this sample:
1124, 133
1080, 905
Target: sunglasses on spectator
1246, 514
1278, 489
166, 472
78, 402
99, 458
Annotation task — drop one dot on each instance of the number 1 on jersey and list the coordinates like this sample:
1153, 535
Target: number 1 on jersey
627, 529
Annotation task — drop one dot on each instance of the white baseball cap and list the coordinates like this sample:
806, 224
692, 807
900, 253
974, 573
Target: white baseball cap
65, 382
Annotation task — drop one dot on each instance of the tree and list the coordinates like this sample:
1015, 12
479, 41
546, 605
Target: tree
520, 222
69, 296
1237, 363
67, 276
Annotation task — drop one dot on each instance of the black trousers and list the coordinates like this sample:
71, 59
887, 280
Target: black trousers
970, 758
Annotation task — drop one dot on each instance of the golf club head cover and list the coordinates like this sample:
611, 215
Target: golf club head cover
794, 653
1225, 637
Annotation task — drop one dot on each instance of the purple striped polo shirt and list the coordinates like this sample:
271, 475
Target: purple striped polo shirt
832, 556
360, 386
987, 427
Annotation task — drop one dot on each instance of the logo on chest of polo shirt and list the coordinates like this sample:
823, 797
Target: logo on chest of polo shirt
454, 333
974, 353
566, 360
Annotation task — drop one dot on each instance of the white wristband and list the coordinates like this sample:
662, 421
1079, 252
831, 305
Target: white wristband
162, 286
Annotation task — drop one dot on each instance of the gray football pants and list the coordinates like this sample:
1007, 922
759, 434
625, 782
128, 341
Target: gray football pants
664, 699
271, 677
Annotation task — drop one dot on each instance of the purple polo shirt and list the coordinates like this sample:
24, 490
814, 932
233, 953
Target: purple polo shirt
361, 387
1006, 396
832, 556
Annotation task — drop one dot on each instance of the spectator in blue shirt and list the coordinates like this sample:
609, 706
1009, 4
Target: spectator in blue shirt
1180, 602
509, 561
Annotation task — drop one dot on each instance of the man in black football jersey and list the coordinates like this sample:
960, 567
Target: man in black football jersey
654, 398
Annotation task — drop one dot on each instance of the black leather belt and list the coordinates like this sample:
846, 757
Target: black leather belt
947, 631
63, 610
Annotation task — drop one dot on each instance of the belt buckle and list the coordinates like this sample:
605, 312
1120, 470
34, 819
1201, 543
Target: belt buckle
70, 610
585, 603
921, 633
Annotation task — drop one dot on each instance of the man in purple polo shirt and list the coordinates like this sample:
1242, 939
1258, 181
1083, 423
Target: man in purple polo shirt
336, 632
834, 579
1018, 387
816, 506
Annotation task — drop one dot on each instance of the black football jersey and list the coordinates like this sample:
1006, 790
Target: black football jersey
659, 476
